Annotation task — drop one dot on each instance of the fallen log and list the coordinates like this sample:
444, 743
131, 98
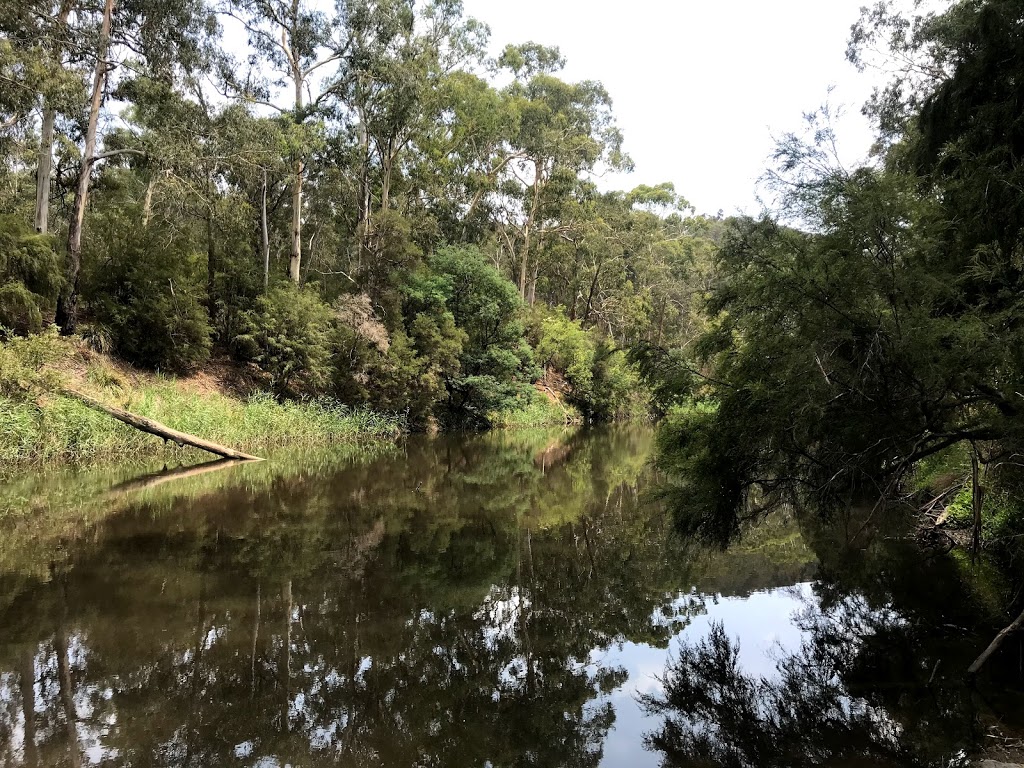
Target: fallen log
160, 430
994, 645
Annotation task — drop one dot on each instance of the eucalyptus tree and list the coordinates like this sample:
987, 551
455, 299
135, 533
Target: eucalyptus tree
300, 44
563, 130
162, 38
395, 94
67, 306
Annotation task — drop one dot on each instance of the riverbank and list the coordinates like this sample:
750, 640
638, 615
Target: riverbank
40, 425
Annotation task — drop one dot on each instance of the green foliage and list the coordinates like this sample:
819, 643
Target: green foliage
618, 392
468, 316
289, 336
23, 364
403, 141
31, 276
19, 311
940, 471
533, 409
563, 345
145, 285
606, 384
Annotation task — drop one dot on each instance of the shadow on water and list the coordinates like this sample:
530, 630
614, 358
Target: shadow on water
502, 599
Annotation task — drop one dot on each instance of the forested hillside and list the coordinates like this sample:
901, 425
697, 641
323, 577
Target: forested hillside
362, 202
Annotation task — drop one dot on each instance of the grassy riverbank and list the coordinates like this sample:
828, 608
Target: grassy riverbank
37, 424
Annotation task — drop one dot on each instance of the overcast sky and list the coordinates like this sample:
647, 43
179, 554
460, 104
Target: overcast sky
701, 86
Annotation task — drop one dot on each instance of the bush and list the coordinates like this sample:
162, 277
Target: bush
476, 316
616, 391
605, 384
31, 276
146, 286
566, 347
533, 409
19, 309
289, 335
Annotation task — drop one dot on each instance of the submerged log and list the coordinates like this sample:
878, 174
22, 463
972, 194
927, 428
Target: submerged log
160, 430
1017, 624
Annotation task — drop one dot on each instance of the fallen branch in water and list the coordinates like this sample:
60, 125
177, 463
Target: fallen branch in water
152, 427
994, 645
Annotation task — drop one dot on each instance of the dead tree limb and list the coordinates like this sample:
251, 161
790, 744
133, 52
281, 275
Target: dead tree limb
994, 645
160, 430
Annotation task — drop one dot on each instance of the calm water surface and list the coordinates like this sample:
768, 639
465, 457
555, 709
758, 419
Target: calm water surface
511, 599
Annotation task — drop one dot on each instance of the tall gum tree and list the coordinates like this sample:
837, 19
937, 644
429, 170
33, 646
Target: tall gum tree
564, 130
394, 93
298, 42
67, 306
161, 37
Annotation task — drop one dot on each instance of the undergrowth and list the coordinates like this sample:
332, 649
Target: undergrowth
38, 424
534, 410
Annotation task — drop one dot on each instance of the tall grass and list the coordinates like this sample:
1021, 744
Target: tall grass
534, 410
39, 425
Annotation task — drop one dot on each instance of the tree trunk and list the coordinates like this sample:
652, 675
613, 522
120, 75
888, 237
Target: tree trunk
147, 202
525, 260
590, 297
44, 169
977, 497
363, 214
152, 427
67, 306
211, 247
532, 294
265, 232
295, 262
1017, 624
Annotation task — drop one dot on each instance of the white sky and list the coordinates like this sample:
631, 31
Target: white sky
701, 86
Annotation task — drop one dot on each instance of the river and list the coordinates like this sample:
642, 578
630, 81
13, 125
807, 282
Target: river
508, 599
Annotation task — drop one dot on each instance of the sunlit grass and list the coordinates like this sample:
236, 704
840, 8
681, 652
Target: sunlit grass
534, 410
38, 424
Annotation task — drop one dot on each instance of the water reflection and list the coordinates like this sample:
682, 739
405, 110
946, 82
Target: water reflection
498, 600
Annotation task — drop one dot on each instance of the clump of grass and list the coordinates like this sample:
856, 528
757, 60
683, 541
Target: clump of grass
534, 410
37, 424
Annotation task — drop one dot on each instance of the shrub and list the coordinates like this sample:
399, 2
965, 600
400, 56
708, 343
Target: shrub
19, 309
289, 335
145, 285
566, 347
31, 276
476, 319
605, 384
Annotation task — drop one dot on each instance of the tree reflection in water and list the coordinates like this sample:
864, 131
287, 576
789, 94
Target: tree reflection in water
876, 681
437, 607
463, 601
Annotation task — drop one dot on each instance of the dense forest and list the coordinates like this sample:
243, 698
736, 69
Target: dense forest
360, 201
364, 204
